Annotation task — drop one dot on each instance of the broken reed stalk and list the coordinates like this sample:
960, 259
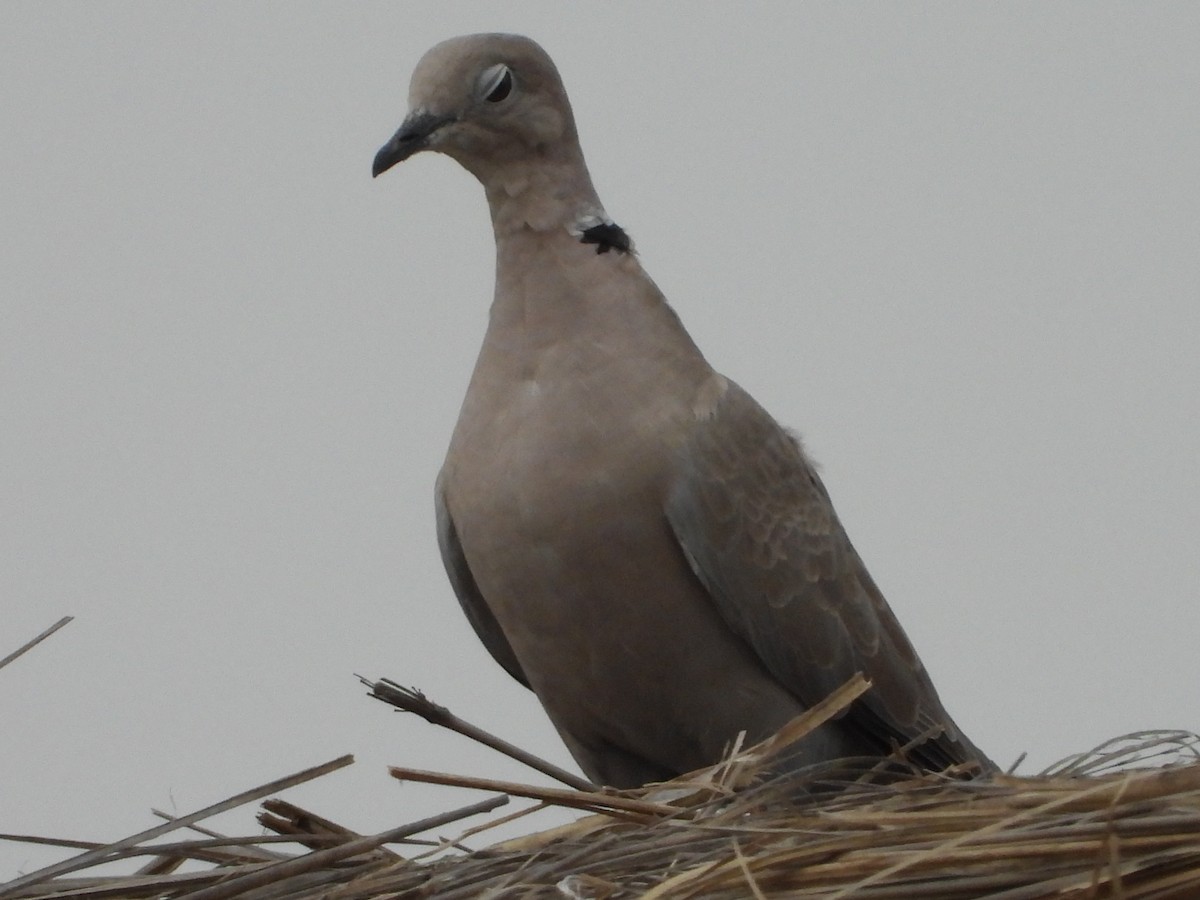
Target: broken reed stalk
101, 854
250, 848
29, 645
309, 862
593, 801
414, 701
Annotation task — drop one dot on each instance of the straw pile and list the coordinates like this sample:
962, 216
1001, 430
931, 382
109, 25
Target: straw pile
1122, 821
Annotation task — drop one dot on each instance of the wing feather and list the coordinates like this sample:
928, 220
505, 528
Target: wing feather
759, 530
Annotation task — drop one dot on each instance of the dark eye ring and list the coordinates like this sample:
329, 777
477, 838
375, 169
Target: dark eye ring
502, 88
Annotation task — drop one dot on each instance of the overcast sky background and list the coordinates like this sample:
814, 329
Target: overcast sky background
957, 247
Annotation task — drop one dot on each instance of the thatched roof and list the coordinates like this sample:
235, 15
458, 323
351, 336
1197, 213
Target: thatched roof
1122, 821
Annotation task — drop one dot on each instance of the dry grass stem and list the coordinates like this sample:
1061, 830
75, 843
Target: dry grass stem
30, 644
413, 701
1120, 822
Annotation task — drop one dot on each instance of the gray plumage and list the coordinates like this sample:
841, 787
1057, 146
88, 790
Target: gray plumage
630, 534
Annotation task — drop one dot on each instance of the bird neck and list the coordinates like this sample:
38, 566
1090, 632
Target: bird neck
543, 193
555, 290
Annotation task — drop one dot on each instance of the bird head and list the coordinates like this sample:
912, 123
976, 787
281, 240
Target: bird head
485, 100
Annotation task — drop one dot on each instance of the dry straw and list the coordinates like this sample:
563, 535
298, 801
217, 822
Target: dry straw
1122, 821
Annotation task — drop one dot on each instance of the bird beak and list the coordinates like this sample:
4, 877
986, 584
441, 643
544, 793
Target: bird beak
412, 137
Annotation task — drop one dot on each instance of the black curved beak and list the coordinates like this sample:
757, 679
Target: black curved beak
412, 137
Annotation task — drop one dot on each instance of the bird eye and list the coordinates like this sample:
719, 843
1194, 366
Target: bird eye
496, 83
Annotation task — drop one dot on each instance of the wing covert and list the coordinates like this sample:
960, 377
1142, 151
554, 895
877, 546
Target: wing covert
759, 530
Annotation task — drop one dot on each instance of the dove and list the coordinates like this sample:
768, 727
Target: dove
631, 535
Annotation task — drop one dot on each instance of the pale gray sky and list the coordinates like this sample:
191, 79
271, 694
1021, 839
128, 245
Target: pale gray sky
957, 247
